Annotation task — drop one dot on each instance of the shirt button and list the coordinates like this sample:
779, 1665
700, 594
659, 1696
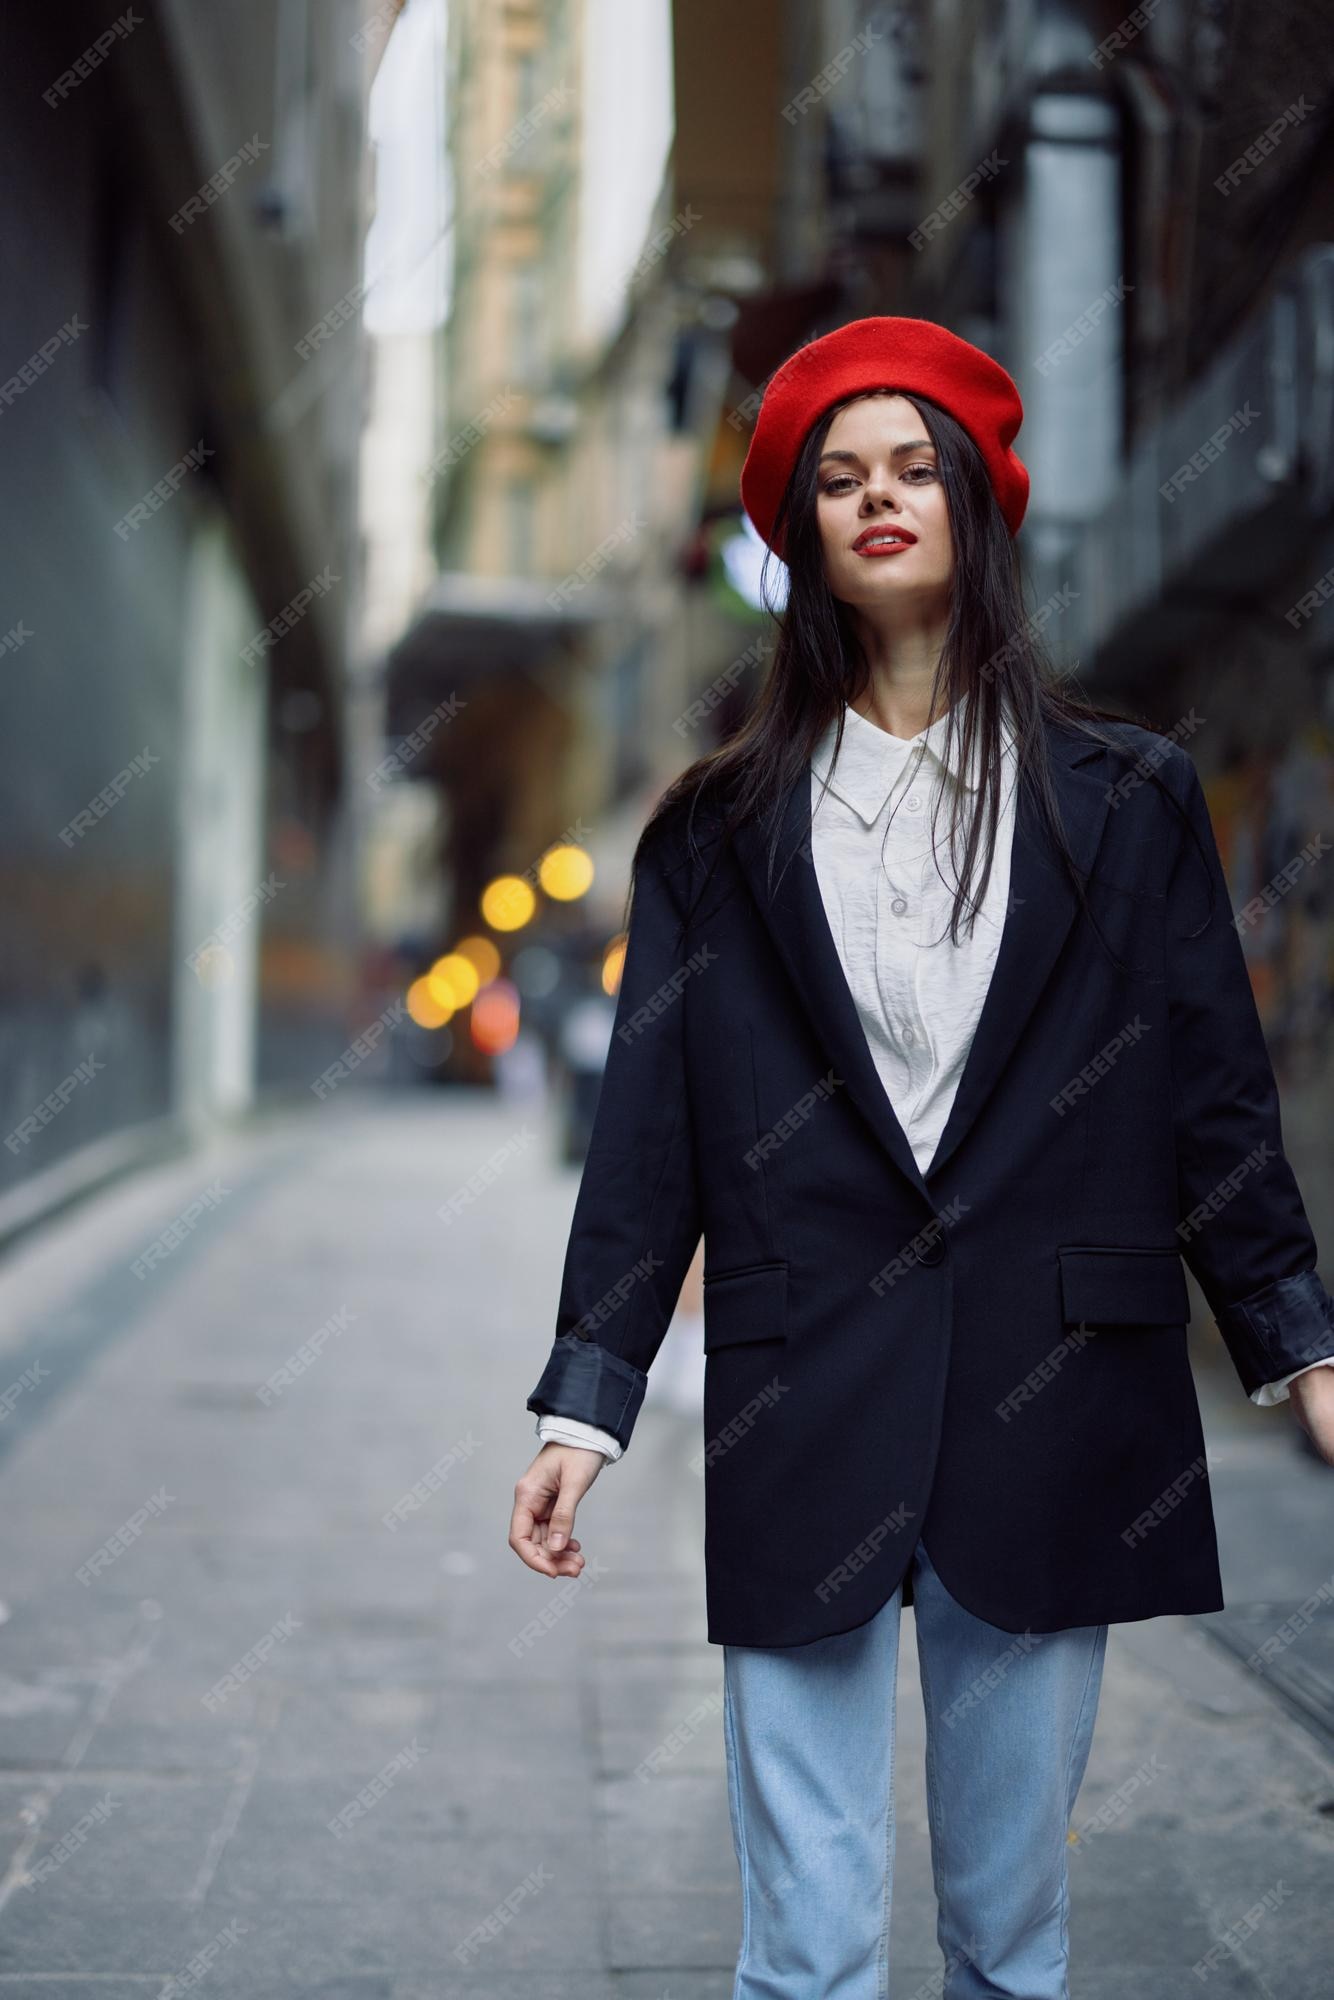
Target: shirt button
908, 1035
913, 802
898, 906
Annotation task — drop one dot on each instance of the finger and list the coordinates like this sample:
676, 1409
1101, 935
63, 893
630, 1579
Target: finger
568, 1561
528, 1535
528, 1538
563, 1564
531, 1549
542, 1534
522, 1538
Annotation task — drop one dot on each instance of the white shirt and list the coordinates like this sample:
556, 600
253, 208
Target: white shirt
887, 896
888, 900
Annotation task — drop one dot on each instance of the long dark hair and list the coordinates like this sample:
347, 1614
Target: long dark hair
992, 652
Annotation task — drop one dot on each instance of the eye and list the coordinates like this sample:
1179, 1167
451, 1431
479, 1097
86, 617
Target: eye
839, 483
921, 466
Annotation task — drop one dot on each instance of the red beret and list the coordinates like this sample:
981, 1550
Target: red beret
912, 355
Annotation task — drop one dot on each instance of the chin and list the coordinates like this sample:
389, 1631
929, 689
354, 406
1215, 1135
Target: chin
880, 587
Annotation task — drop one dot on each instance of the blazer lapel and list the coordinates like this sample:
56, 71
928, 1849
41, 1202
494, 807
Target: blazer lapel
1042, 908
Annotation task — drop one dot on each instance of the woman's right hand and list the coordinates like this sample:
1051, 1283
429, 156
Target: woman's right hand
542, 1524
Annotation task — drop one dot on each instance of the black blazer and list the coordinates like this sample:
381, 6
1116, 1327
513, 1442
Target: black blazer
991, 1355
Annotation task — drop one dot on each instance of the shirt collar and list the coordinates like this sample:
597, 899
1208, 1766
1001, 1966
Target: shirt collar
871, 761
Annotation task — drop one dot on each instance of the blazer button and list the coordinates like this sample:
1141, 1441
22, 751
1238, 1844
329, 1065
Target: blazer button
932, 1252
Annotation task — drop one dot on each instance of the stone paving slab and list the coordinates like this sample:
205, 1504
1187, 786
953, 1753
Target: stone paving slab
534, 1708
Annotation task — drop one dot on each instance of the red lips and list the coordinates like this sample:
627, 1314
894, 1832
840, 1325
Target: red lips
883, 528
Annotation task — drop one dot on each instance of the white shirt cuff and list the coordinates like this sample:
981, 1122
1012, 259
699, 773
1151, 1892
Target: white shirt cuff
569, 1430
1277, 1392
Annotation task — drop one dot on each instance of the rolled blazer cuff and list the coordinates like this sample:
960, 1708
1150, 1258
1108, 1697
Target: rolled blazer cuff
583, 1380
1284, 1327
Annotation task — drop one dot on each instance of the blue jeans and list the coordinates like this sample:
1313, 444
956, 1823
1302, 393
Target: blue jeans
809, 1732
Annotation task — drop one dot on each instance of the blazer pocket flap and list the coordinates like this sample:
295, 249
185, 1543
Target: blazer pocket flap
1123, 1286
745, 1305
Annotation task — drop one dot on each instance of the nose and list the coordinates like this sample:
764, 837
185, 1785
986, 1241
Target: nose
878, 493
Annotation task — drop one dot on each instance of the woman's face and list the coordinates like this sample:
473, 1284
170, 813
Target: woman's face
881, 509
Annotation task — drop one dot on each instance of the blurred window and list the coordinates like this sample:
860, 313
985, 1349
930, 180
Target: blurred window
521, 527
526, 322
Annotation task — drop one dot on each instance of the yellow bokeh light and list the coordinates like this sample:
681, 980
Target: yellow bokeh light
612, 962
423, 1006
480, 951
453, 980
508, 903
565, 872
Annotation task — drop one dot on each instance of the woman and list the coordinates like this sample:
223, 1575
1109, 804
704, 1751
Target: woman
934, 1021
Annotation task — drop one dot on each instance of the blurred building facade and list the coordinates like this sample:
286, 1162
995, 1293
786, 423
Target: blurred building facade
526, 482
559, 638
1136, 213
184, 207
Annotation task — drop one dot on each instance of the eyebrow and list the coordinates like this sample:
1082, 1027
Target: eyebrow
914, 444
